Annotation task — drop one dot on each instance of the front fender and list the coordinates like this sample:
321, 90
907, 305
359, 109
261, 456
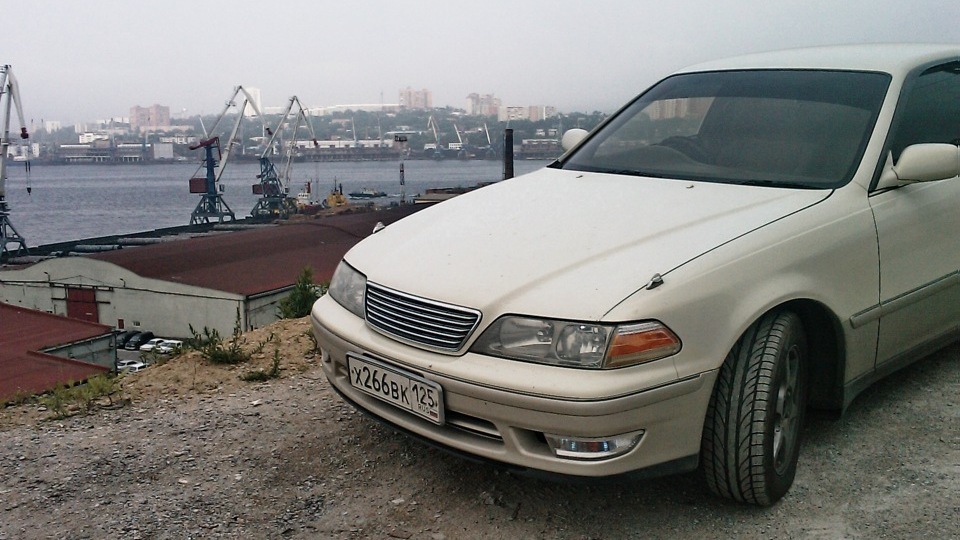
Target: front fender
826, 254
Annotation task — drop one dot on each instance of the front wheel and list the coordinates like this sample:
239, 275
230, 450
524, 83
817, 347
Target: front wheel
751, 436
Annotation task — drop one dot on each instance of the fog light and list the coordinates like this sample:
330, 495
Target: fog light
569, 447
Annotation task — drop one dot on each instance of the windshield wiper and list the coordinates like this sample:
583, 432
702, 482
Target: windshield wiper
627, 172
633, 172
773, 183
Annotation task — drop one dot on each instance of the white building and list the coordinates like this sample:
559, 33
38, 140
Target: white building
346, 143
203, 282
485, 105
162, 151
89, 137
534, 113
367, 107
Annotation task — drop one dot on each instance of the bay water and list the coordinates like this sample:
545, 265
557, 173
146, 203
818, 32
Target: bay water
73, 202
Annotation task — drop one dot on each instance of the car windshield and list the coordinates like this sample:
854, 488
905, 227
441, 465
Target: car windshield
782, 128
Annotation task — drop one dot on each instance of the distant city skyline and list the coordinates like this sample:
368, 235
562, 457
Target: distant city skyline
159, 115
80, 61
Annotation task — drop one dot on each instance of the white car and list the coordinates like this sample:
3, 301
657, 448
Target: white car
130, 366
151, 345
169, 346
745, 239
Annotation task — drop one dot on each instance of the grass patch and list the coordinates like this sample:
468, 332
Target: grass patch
68, 399
260, 375
19, 398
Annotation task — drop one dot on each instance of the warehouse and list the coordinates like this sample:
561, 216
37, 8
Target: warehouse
39, 351
211, 281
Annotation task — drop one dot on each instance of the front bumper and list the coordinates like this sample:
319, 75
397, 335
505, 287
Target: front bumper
508, 426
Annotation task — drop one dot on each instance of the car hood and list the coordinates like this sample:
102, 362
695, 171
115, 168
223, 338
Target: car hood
564, 244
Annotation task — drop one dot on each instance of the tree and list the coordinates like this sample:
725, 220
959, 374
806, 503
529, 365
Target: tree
298, 303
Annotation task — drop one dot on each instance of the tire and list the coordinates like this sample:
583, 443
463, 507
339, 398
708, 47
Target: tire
751, 436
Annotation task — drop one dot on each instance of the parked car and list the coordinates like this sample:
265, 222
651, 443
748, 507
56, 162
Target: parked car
136, 341
124, 337
130, 365
745, 239
169, 346
151, 345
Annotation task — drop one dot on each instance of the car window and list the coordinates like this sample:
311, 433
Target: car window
787, 128
931, 110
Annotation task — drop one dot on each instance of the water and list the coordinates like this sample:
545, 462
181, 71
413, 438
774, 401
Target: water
72, 202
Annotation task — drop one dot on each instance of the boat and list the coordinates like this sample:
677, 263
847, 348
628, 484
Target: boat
305, 201
367, 193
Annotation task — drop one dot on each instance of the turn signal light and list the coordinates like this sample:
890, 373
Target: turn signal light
641, 342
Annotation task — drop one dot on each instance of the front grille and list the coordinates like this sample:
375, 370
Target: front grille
419, 321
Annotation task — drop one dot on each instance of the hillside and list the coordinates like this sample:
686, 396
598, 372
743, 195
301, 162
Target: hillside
197, 452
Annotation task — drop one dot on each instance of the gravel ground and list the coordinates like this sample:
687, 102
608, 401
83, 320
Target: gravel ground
197, 453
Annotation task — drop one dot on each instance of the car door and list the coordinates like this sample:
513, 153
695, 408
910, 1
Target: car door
918, 225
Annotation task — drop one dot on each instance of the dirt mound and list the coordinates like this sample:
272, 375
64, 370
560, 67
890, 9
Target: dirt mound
290, 340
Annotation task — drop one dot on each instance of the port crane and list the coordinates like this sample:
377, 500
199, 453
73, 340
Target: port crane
437, 150
273, 187
462, 145
9, 98
211, 205
488, 152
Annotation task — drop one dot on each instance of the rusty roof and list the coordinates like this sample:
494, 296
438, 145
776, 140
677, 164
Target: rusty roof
24, 333
257, 260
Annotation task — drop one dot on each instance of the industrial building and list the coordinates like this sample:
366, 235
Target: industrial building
204, 282
39, 351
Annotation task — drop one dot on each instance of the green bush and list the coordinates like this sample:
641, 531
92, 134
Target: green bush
211, 346
298, 303
57, 400
83, 397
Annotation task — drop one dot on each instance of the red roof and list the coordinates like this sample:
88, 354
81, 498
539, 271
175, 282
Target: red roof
256, 260
23, 333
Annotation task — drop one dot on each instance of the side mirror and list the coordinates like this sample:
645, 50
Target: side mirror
927, 162
572, 138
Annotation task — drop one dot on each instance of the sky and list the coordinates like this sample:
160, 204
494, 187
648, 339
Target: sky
79, 61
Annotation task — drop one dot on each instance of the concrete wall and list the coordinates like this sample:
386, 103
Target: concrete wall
262, 309
99, 350
165, 308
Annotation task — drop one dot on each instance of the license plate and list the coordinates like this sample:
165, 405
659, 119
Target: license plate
397, 387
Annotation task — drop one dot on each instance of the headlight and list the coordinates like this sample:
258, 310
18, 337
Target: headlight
577, 344
348, 288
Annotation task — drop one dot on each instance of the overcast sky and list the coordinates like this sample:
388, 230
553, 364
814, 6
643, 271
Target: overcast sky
86, 60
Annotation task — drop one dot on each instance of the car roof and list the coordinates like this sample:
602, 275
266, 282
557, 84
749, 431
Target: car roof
898, 59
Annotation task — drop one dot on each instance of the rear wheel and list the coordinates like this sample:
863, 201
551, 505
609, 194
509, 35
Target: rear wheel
751, 437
